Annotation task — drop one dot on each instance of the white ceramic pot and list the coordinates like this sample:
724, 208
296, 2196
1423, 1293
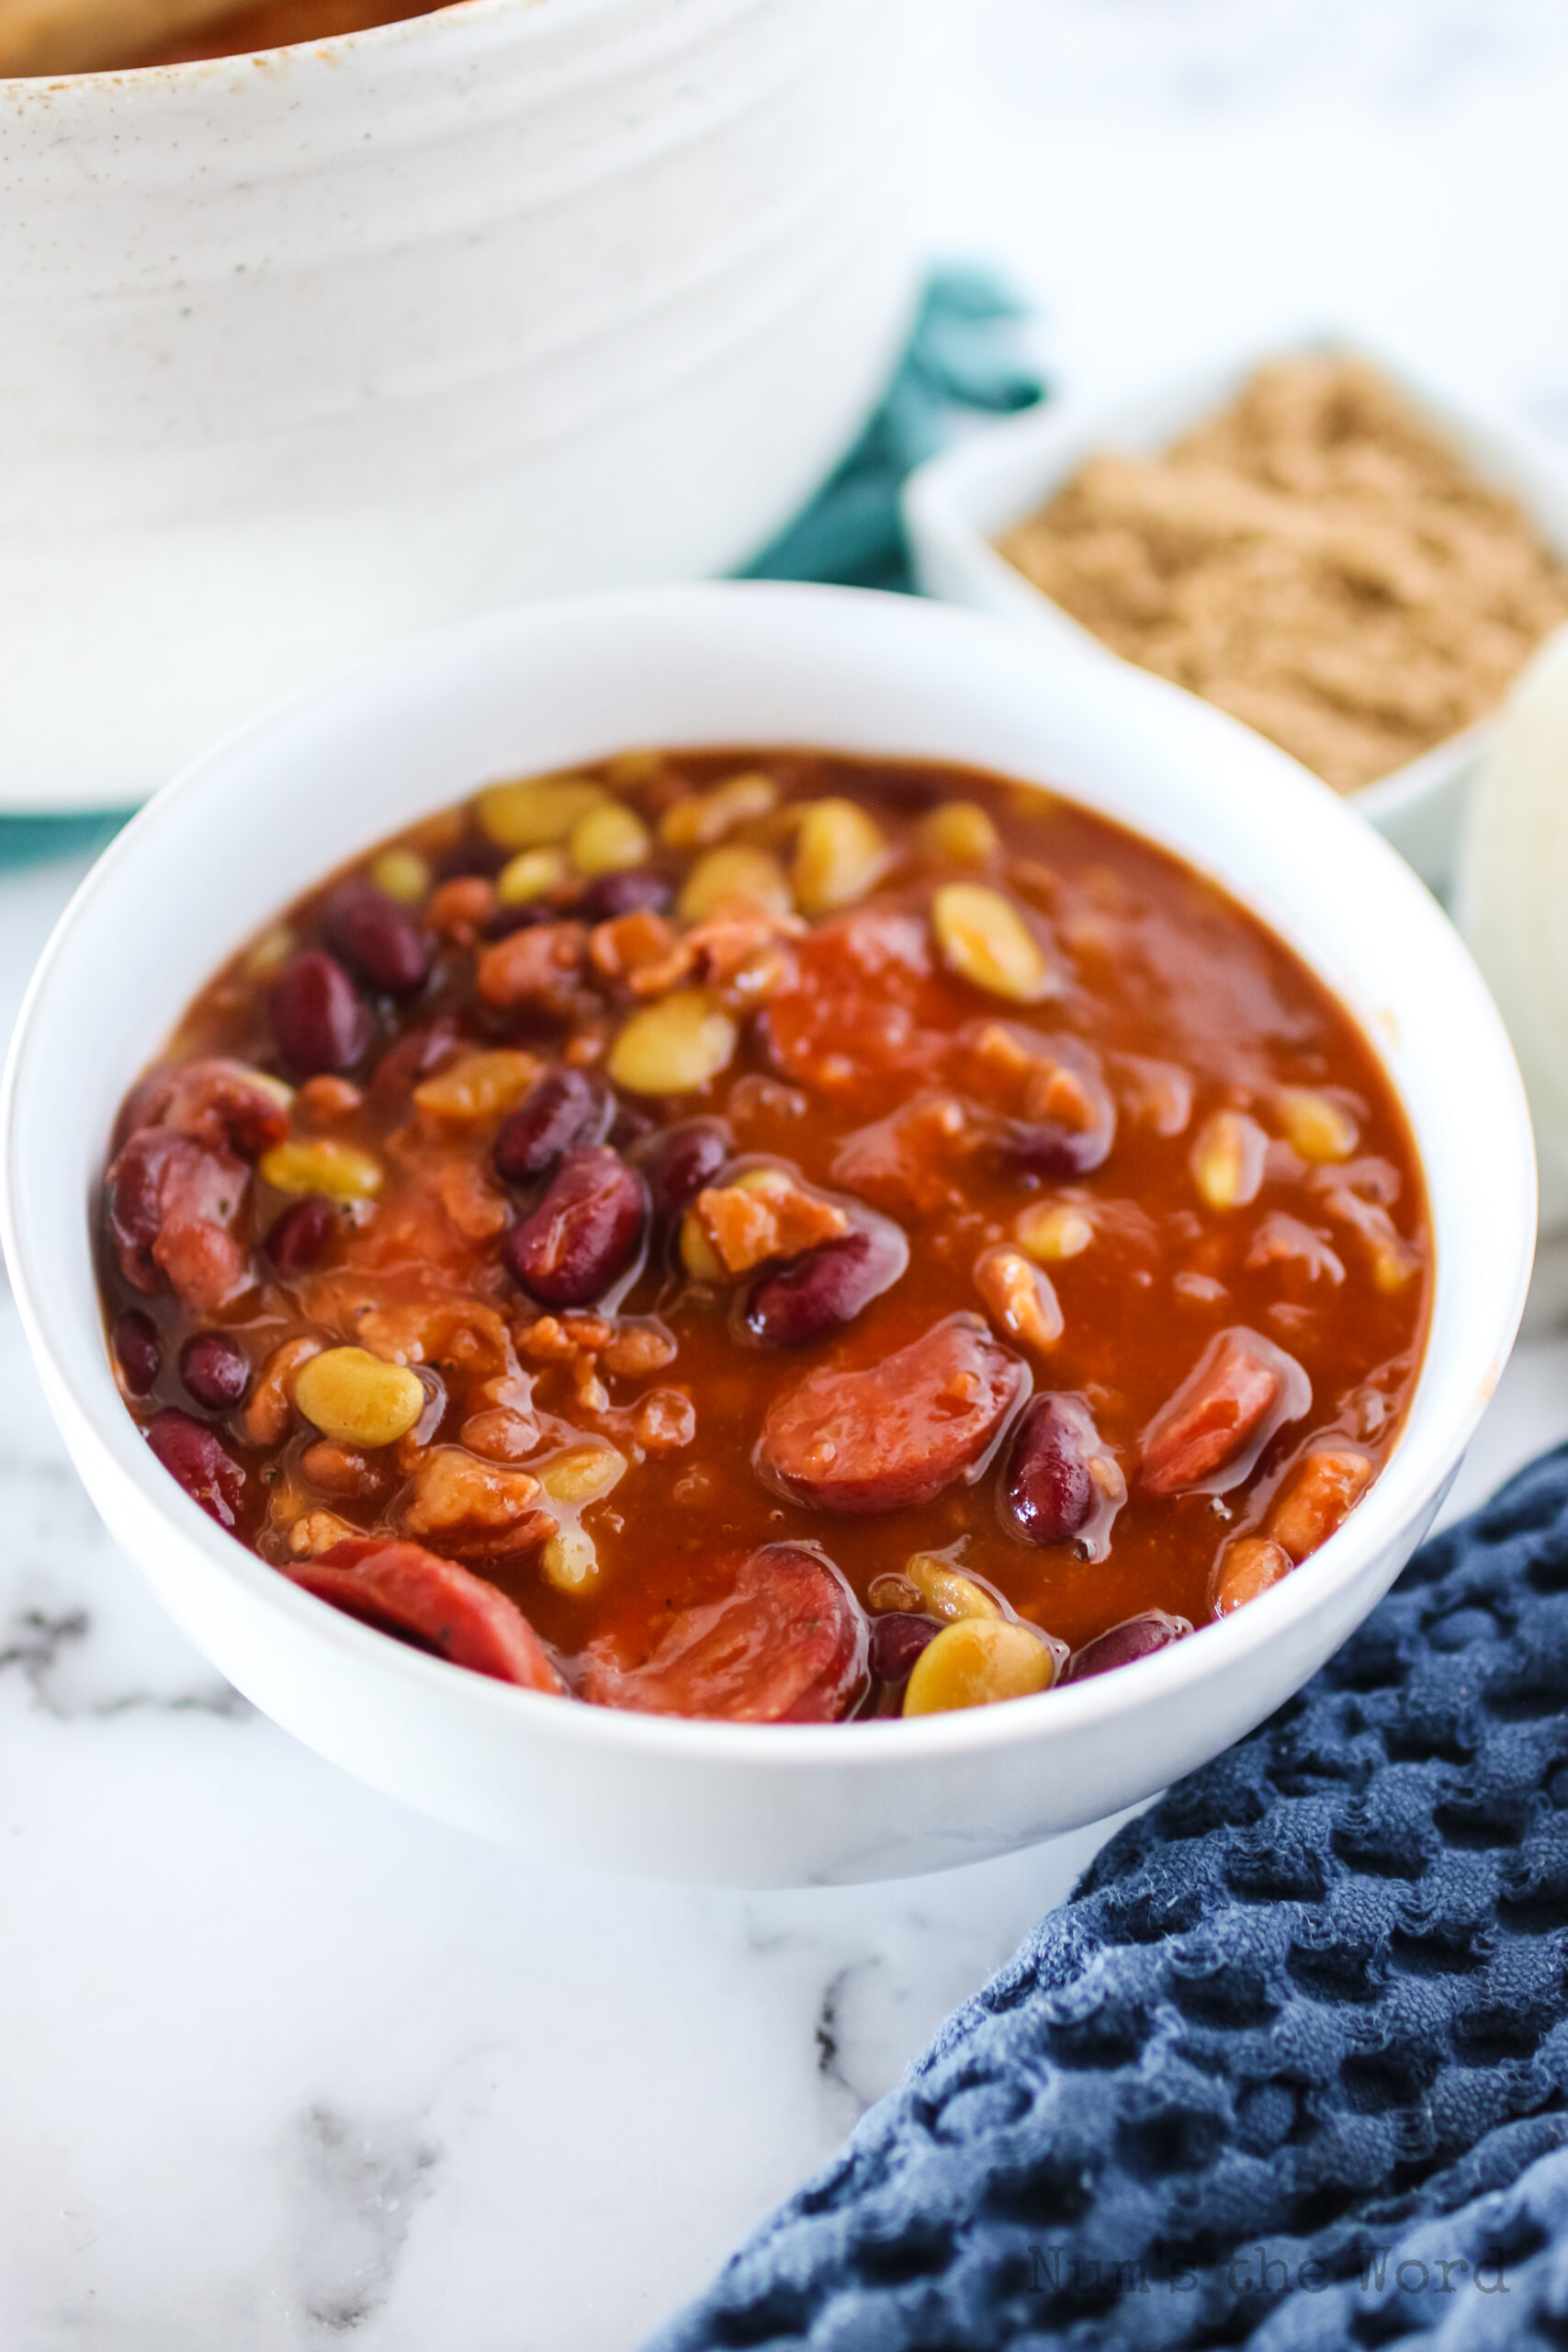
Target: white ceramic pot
302, 350
234, 840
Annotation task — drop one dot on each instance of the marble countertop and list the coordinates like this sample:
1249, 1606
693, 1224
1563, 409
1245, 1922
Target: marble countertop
282, 2064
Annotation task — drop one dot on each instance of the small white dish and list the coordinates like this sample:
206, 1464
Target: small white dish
240, 834
959, 504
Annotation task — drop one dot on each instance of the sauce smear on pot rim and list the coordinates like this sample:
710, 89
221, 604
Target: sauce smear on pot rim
770, 1235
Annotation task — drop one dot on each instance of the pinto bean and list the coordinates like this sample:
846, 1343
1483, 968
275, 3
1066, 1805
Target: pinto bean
1318, 1498
383, 940
190, 1453
585, 1232
402, 1588
826, 1288
783, 1641
561, 1108
317, 1017
895, 1435
1135, 1637
1213, 1430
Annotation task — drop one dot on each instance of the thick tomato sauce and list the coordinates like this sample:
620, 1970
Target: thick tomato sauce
1129, 1251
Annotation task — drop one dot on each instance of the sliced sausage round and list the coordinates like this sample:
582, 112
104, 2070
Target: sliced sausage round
895, 1435
403, 1589
785, 1643
1209, 1435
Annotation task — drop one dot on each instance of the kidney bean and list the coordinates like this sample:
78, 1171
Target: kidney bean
317, 1017
1211, 1433
214, 1101
630, 892
1057, 1148
474, 854
402, 1588
584, 1231
526, 914
215, 1369
190, 1452
414, 1056
384, 941
1061, 1485
134, 1339
298, 1235
680, 1162
562, 1108
1135, 1637
896, 1640
898, 1433
826, 1287
783, 1641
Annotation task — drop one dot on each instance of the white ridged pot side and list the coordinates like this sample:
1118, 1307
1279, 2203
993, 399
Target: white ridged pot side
304, 349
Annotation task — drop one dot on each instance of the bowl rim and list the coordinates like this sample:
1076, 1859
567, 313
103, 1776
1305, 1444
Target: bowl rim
939, 496
87, 1401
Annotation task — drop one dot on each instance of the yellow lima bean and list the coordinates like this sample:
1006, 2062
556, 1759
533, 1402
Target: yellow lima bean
673, 1046
536, 808
840, 853
478, 1086
339, 1170
530, 874
404, 875
985, 939
1053, 1230
609, 840
359, 1399
960, 833
734, 871
1315, 1126
1228, 1158
583, 1475
976, 1662
945, 1591
569, 1560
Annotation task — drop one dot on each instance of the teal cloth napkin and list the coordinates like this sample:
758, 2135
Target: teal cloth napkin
962, 357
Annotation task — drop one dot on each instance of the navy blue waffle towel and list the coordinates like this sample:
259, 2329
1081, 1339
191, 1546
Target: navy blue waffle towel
1290, 2070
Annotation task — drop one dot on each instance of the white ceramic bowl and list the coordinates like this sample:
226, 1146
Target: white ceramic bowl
241, 832
959, 504
306, 350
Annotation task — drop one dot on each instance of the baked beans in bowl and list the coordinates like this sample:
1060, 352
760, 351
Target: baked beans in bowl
755, 1234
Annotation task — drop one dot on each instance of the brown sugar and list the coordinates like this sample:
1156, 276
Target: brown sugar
1316, 559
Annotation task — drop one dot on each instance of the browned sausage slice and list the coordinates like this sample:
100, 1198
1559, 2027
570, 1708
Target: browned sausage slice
403, 1589
894, 1435
784, 1643
1211, 1433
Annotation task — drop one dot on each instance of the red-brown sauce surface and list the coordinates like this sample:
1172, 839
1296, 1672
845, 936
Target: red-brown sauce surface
878, 1081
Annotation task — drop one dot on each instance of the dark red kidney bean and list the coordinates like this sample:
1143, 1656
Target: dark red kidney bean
134, 1199
134, 1339
317, 1017
385, 941
190, 1453
1047, 1488
524, 916
415, 1054
896, 1641
475, 854
629, 893
215, 1369
298, 1235
824, 1288
585, 1230
680, 1162
562, 1108
1135, 1637
630, 1126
